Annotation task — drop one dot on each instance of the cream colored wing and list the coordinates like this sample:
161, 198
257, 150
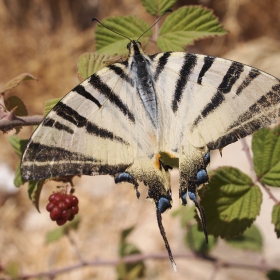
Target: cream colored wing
97, 128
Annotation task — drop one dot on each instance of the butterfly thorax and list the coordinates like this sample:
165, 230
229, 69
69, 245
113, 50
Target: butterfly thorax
139, 64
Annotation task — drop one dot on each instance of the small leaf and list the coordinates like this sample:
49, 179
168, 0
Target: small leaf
18, 144
54, 235
50, 104
251, 239
34, 191
13, 270
18, 181
195, 240
186, 25
266, 150
231, 202
276, 219
17, 80
126, 232
90, 63
14, 101
157, 7
61, 231
185, 213
273, 274
112, 43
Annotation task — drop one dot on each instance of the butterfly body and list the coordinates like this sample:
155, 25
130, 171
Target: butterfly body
118, 121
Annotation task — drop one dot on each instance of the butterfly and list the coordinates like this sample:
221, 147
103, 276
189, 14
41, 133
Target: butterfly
123, 118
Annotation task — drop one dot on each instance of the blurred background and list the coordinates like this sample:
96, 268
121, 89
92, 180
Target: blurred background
45, 39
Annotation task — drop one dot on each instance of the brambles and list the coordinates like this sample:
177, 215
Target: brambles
62, 207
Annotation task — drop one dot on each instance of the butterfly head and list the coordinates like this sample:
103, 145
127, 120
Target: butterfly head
135, 48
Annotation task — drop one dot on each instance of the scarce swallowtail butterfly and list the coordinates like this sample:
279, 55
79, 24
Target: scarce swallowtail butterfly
121, 119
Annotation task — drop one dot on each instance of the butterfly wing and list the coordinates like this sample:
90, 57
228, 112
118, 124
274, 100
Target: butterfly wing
208, 103
215, 101
90, 131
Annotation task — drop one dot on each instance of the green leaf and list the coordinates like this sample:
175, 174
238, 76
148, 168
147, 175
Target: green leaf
185, 213
273, 274
16, 81
130, 270
251, 239
13, 270
111, 43
195, 240
14, 101
157, 7
125, 233
266, 150
59, 232
276, 219
50, 104
231, 202
90, 63
18, 144
34, 191
186, 25
18, 181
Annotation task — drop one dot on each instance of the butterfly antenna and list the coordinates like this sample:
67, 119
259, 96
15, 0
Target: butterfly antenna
163, 234
167, 11
94, 19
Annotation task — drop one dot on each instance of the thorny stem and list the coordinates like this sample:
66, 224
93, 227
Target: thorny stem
138, 257
6, 124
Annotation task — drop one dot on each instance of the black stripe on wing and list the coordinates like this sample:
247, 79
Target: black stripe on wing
161, 64
56, 124
250, 121
103, 89
208, 61
75, 118
254, 73
119, 71
186, 70
82, 91
44, 161
225, 87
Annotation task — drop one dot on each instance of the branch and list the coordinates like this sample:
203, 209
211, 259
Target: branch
6, 124
261, 266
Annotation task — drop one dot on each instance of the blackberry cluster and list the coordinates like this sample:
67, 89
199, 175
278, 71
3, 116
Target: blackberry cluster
62, 207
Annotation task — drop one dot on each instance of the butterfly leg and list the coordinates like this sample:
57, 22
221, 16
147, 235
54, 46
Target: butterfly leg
193, 174
126, 177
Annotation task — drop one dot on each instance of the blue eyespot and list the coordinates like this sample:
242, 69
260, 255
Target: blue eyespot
192, 196
163, 204
183, 196
123, 177
206, 158
202, 176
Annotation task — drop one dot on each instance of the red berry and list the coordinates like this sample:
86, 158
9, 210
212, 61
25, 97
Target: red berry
50, 206
68, 200
75, 200
66, 214
55, 213
58, 197
75, 209
61, 221
51, 198
71, 217
62, 205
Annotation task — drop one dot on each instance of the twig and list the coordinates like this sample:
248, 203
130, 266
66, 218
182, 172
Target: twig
6, 124
137, 258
